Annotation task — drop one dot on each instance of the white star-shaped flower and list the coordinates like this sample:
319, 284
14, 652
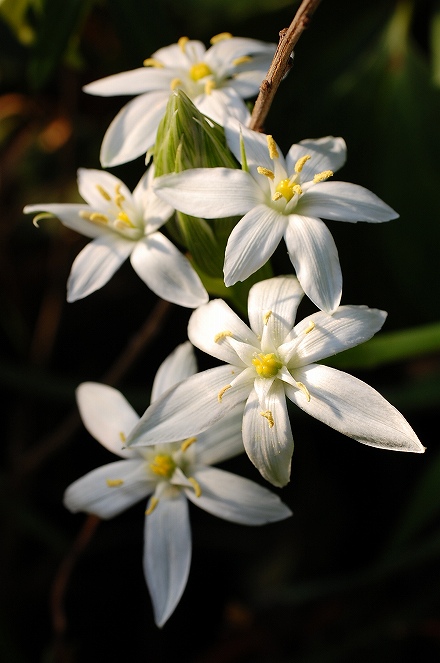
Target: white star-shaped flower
278, 198
216, 80
124, 224
272, 359
172, 474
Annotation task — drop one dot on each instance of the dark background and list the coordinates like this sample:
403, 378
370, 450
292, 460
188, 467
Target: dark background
354, 575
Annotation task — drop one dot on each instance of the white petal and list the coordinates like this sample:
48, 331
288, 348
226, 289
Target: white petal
167, 555
269, 448
188, 408
167, 272
252, 242
353, 408
107, 415
313, 253
329, 334
175, 57
69, 215
342, 201
136, 81
224, 52
256, 148
212, 319
236, 499
88, 182
223, 440
210, 192
179, 365
93, 494
155, 211
281, 296
326, 153
221, 104
96, 264
134, 128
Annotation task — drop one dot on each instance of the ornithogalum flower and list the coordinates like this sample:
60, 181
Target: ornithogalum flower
124, 224
269, 361
172, 474
216, 80
279, 198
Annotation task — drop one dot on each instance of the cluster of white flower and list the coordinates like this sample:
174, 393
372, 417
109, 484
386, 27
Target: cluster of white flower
197, 419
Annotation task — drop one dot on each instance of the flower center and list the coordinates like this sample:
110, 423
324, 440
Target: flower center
199, 70
163, 465
267, 366
285, 188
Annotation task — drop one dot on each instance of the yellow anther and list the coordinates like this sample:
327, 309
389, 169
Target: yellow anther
304, 390
163, 465
152, 62
195, 484
222, 391
119, 198
123, 216
265, 171
296, 188
310, 327
285, 189
272, 147
300, 163
220, 37
187, 443
266, 317
320, 177
267, 366
96, 217
269, 416
176, 82
210, 85
182, 43
243, 60
199, 70
277, 196
103, 192
114, 483
153, 504
122, 437
224, 334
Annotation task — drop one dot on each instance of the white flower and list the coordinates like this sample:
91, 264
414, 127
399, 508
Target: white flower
269, 361
171, 474
216, 80
279, 197
124, 224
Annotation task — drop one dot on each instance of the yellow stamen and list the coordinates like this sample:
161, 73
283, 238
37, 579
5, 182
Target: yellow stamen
210, 85
266, 317
224, 334
163, 465
297, 189
199, 70
122, 437
153, 504
265, 171
152, 62
277, 195
220, 37
267, 366
285, 189
195, 485
243, 60
269, 416
114, 483
103, 192
320, 177
123, 216
272, 147
304, 390
119, 198
222, 391
96, 217
187, 443
182, 43
300, 163
176, 82
310, 328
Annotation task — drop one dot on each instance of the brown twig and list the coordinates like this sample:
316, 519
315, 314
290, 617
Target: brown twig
281, 62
